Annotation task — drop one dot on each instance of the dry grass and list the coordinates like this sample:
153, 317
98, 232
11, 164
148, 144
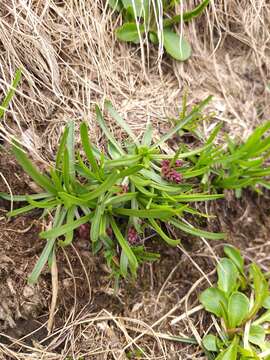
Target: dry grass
70, 61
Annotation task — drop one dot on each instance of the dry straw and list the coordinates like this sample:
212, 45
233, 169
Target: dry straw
71, 60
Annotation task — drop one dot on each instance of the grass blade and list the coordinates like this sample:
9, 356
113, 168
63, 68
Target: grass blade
11, 91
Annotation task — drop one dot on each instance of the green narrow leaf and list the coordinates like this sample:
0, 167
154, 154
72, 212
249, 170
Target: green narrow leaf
260, 289
10, 93
161, 233
227, 276
62, 230
21, 198
32, 171
181, 124
124, 264
88, 147
70, 148
197, 232
44, 204
133, 263
69, 235
58, 220
21, 210
105, 186
187, 16
238, 308
148, 214
175, 45
118, 199
95, 223
147, 136
107, 133
66, 170
61, 149
120, 121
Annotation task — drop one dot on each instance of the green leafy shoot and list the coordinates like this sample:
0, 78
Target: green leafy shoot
241, 314
140, 23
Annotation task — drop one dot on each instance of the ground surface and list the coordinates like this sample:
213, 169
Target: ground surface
70, 61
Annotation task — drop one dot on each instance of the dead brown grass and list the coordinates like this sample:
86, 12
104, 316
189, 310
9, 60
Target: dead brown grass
70, 61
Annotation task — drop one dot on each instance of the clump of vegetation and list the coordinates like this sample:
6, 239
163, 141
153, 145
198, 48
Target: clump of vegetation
154, 20
124, 194
119, 197
241, 300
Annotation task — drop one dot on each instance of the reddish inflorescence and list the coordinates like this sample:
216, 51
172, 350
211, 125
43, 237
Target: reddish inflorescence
84, 231
133, 237
123, 189
169, 173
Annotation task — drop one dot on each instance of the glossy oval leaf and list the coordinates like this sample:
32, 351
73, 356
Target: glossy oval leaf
257, 335
238, 308
227, 276
176, 46
129, 32
235, 255
210, 342
214, 301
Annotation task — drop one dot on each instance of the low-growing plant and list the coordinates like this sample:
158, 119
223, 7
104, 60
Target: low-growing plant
125, 194
236, 165
10, 93
154, 20
241, 300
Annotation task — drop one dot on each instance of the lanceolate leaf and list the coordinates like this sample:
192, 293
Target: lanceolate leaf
11, 91
161, 233
197, 232
62, 230
187, 16
182, 123
133, 264
32, 171
121, 122
88, 147
107, 133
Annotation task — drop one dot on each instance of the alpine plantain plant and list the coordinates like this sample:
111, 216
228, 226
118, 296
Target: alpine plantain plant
124, 194
154, 20
241, 300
